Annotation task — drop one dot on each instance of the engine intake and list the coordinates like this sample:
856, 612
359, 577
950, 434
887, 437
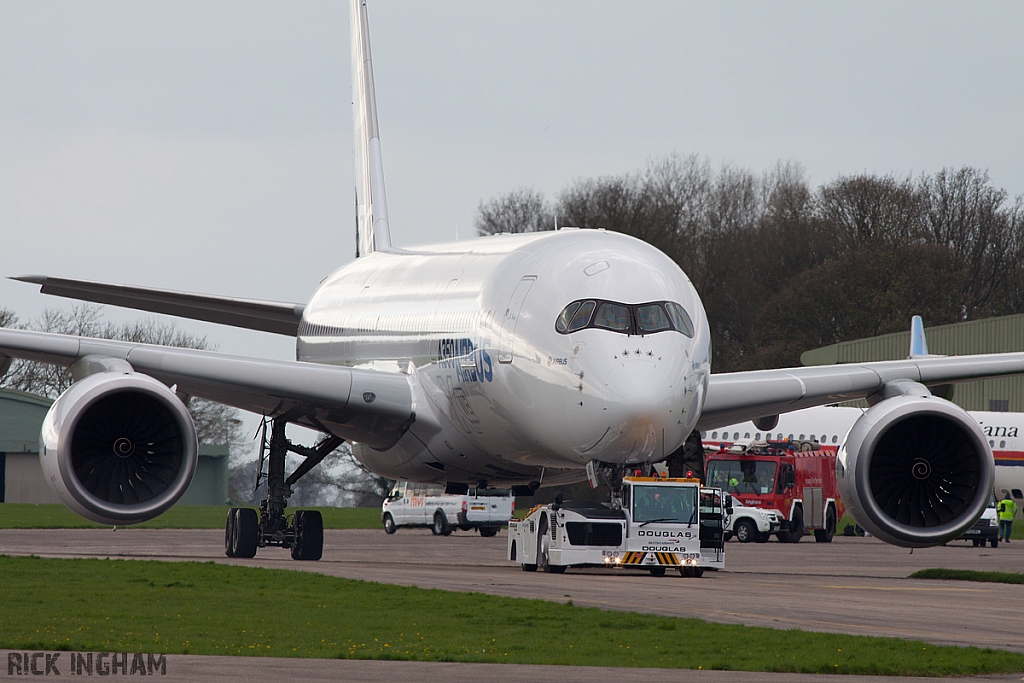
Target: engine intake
118, 448
916, 471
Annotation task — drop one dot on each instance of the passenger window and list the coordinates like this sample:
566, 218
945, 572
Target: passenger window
835, 438
757, 436
612, 317
1002, 444
714, 435
582, 316
652, 318
680, 318
566, 315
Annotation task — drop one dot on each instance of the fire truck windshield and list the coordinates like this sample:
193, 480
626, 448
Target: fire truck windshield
743, 476
665, 504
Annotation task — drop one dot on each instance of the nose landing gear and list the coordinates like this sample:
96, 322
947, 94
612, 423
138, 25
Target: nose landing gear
245, 531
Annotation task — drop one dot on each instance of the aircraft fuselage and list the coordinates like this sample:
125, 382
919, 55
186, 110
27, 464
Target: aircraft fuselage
502, 394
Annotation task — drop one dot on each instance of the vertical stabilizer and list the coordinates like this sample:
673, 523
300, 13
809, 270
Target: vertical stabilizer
918, 343
372, 231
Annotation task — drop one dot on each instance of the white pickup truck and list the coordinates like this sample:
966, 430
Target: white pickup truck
748, 523
427, 505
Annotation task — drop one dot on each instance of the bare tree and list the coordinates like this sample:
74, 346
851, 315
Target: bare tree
524, 210
215, 423
8, 318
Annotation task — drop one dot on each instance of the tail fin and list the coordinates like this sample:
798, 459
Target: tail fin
372, 231
918, 343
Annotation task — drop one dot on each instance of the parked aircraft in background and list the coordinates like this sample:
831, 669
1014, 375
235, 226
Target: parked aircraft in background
513, 360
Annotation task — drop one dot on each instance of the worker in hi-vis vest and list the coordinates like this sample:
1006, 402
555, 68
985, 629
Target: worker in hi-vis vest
1006, 510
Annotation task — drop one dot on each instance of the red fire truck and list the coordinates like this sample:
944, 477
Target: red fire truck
796, 478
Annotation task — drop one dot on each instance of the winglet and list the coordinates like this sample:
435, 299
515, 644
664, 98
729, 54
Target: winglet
372, 230
918, 343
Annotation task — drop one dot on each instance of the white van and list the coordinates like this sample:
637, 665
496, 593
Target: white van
427, 505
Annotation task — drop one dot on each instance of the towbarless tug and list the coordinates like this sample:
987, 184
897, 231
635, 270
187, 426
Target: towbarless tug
661, 524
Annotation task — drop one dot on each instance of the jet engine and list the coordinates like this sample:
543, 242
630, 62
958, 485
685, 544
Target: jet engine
118, 448
915, 471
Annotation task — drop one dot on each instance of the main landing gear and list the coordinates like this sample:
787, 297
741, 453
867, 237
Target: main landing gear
245, 531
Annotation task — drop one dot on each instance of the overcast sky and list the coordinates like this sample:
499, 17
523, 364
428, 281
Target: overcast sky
207, 146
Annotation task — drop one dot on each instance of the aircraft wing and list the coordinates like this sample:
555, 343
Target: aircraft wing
266, 316
740, 396
367, 406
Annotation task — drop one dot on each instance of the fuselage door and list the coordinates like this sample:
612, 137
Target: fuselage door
508, 325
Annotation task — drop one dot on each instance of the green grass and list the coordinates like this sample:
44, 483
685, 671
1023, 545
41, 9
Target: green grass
119, 605
969, 575
56, 516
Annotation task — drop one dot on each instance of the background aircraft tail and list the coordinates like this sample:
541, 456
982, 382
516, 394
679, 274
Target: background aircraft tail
372, 231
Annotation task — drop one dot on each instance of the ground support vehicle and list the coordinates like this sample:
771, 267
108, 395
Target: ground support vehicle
662, 524
427, 505
775, 475
985, 529
747, 523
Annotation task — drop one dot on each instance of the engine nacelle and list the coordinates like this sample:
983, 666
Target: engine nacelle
916, 471
118, 448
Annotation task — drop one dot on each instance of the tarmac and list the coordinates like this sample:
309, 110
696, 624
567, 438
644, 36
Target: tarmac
852, 585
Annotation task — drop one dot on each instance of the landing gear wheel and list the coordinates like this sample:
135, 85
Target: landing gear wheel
825, 535
440, 526
245, 537
975, 542
229, 533
309, 535
657, 571
745, 531
488, 531
994, 542
389, 524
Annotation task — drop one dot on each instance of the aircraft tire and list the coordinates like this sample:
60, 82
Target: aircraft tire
229, 533
246, 536
309, 535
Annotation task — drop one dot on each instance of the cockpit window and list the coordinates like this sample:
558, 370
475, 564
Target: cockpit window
680, 319
648, 318
612, 317
582, 317
565, 316
652, 318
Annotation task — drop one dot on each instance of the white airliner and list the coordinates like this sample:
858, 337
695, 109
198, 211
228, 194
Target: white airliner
514, 360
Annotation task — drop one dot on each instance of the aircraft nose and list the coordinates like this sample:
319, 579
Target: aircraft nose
642, 402
642, 391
